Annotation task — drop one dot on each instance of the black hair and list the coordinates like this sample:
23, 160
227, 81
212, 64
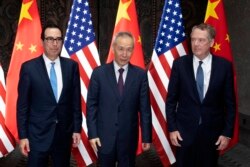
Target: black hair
50, 25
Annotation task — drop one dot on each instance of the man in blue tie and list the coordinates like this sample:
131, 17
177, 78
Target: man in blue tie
117, 95
48, 106
200, 105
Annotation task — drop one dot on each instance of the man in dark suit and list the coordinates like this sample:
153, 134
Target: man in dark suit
48, 107
113, 108
200, 105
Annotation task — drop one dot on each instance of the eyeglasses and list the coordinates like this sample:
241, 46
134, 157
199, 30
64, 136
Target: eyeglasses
52, 40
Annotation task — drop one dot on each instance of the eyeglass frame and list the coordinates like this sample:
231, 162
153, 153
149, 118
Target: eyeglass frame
52, 40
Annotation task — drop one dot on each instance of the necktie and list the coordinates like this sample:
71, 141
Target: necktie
53, 80
200, 80
120, 81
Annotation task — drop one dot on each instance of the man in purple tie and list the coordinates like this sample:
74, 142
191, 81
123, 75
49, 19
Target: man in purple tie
117, 94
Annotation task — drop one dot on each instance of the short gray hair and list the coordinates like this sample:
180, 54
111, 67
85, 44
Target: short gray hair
207, 27
123, 34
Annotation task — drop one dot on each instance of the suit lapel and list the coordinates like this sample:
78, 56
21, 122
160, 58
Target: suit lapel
129, 80
112, 79
190, 70
41, 68
212, 75
64, 71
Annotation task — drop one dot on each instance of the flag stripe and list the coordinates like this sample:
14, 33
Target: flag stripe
157, 79
87, 147
162, 138
84, 62
91, 55
3, 149
7, 142
156, 96
79, 45
169, 45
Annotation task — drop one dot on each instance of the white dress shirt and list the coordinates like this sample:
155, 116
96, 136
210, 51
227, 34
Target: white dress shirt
58, 70
206, 66
117, 73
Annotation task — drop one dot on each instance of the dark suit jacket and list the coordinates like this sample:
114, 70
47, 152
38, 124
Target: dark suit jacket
184, 109
38, 113
111, 117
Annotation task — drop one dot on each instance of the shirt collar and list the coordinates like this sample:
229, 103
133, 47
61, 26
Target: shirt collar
207, 60
48, 61
117, 67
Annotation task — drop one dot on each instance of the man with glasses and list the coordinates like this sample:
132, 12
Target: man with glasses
48, 106
200, 105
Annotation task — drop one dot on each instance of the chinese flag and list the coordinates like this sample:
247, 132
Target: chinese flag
27, 46
215, 16
126, 20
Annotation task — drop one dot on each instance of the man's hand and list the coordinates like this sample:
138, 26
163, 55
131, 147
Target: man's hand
94, 143
145, 146
24, 146
174, 137
222, 142
76, 139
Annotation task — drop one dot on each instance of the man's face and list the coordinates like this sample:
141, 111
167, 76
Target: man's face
201, 43
123, 50
52, 43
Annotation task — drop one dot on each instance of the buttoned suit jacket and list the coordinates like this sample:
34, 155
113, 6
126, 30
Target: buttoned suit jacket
39, 115
184, 109
114, 118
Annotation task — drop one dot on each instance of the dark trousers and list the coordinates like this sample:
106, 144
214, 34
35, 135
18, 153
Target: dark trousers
59, 153
117, 156
201, 153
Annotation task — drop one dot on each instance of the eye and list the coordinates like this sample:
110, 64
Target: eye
120, 48
49, 38
52, 40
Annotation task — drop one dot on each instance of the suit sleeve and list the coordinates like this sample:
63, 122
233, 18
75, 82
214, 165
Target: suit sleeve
23, 105
230, 103
145, 112
172, 98
92, 104
77, 100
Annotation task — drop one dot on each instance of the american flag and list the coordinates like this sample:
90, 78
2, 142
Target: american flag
7, 141
79, 44
170, 44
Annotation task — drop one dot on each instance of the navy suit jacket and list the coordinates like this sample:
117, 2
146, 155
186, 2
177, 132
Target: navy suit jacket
184, 109
38, 113
112, 117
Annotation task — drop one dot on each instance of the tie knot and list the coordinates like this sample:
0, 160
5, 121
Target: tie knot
200, 63
121, 70
53, 63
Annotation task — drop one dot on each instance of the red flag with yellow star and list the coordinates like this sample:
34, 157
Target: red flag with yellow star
27, 46
215, 16
126, 20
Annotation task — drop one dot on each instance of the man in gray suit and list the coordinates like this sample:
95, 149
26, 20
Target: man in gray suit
117, 95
